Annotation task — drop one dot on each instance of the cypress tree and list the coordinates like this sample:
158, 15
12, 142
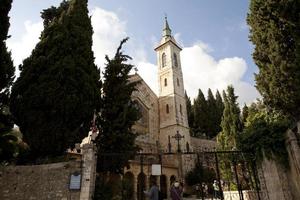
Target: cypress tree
275, 32
211, 114
245, 113
200, 115
7, 69
118, 114
7, 147
220, 109
56, 95
231, 124
190, 112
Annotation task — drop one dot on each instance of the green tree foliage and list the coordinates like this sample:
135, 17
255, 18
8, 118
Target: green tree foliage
275, 32
118, 114
204, 116
231, 128
54, 98
7, 139
8, 146
231, 123
200, 174
200, 115
212, 115
245, 113
7, 69
264, 133
190, 113
220, 109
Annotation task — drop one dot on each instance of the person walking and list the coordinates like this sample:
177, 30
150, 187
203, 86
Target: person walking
153, 192
216, 189
176, 191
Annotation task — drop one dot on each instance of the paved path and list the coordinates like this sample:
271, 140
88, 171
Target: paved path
199, 199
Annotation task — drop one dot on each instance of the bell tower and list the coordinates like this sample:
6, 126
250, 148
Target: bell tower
172, 103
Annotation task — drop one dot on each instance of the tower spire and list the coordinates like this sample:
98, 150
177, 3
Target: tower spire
166, 31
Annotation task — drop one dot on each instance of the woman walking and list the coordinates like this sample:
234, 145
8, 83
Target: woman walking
176, 191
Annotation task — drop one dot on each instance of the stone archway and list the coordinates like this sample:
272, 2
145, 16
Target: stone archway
151, 180
141, 186
163, 186
128, 186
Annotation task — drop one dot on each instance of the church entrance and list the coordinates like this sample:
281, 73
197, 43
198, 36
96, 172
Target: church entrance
128, 186
141, 186
163, 186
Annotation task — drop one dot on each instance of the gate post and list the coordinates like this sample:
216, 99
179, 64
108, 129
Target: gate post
256, 179
218, 175
236, 177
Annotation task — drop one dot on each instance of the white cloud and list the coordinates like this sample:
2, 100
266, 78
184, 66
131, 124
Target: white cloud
21, 48
201, 70
109, 30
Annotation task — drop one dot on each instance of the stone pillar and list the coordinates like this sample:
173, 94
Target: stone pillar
294, 162
276, 180
89, 161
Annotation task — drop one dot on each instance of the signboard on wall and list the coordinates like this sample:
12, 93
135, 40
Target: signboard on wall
156, 170
75, 181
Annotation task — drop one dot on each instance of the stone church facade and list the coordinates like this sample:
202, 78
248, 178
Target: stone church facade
164, 117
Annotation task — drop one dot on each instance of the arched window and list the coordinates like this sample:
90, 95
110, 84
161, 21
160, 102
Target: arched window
166, 82
167, 108
180, 109
163, 59
175, 60
177, 82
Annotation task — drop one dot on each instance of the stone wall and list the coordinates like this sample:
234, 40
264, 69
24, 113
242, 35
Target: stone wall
38, 182
50, 181
149, 101
199, 144
277, 182
293, 174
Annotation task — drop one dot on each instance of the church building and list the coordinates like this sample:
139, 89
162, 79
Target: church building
163, 126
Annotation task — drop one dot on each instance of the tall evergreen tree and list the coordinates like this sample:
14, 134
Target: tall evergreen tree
231, 123
56, 95
7, 69
211, 114
7, 147
118, 114
245, 113
190, 113
220, 109
200, 115
275, 32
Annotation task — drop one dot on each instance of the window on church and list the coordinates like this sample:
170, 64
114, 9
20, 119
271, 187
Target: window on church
163, 59
177, 82
175, 60
167, 108
166, 82
180, 109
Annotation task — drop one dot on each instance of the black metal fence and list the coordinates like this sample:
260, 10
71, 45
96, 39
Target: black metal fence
234, 170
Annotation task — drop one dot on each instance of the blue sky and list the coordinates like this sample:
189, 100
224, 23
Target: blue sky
213, 34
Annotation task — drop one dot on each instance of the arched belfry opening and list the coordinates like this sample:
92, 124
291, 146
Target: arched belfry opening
163, 60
